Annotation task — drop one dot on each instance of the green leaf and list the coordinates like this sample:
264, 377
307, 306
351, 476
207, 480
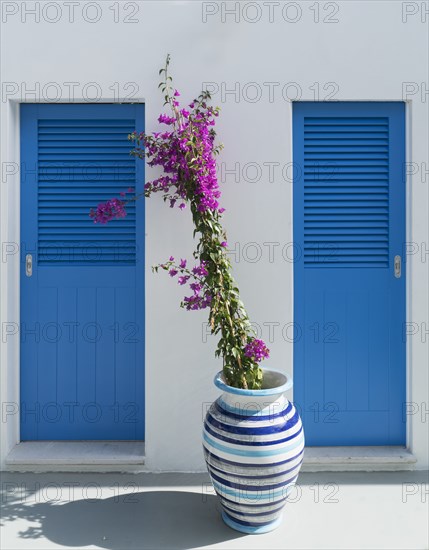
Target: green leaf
235, 352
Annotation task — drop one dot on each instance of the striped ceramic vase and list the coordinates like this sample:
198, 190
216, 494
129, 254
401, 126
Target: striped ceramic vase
253, 445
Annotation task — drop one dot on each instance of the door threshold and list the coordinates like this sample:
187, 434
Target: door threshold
357, 459
75, 456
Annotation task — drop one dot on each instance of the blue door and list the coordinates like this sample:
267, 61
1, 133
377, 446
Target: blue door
82, 285
349, 284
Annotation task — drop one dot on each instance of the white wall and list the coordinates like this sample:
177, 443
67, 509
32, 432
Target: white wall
367, 55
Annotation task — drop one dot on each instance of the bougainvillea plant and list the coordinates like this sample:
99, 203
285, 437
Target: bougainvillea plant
186, 150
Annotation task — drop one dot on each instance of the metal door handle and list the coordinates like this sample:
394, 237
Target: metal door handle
29, 265
397, 266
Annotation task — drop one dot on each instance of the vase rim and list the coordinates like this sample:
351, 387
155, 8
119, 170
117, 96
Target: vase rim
285, 383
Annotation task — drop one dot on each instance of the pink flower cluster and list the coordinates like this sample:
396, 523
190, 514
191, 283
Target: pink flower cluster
186, 153
256, 350
111, 209
106, 211
197, 301
201, 298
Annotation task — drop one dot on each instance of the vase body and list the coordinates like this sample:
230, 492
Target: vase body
253, 445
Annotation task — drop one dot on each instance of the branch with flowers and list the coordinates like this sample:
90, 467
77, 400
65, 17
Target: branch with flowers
186, 153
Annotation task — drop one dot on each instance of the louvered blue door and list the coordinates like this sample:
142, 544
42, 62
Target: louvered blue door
82, 307
349, 225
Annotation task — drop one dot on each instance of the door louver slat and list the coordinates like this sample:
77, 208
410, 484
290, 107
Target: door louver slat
346, 201
81, 163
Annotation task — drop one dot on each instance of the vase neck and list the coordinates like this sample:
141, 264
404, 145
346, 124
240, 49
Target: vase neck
250, 404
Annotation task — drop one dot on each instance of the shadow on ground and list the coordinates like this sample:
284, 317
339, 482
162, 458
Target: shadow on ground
149, 519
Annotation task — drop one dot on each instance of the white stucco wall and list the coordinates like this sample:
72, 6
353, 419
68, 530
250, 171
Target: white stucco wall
368, 54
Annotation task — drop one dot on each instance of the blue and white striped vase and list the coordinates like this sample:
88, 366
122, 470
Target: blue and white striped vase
253, 445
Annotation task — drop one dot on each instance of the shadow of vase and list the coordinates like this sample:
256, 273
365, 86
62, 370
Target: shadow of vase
148, 519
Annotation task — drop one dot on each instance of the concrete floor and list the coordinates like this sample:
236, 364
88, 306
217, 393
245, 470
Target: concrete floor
179, 511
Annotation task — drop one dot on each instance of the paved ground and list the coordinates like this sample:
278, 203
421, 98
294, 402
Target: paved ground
179, 511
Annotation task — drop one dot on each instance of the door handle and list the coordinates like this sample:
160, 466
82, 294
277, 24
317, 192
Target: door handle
29, 265
397, 266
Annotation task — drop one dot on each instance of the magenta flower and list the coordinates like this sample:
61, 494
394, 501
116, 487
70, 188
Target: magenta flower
106, 211
182, 264
170, 150
196, 287
197, 301
173, 272
200, 270
256, 350
164, 119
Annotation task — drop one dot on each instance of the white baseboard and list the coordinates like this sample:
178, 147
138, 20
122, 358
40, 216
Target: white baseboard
357, 459
77, 456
